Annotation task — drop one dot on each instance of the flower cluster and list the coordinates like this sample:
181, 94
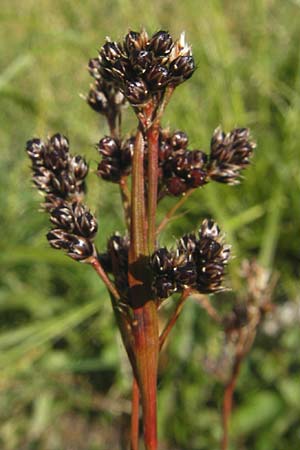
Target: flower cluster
181, 169
229, 154
141, 67
103, 97
61, 177
116, 158
56, 172
198, 262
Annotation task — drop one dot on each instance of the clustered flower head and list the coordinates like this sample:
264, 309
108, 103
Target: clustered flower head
141, 67
181, 168
229, 154
198, 262
61, 178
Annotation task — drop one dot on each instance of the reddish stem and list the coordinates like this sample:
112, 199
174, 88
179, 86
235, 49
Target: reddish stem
145, 331
102, 274
152, 138
125, 196
144, 321
138, 216
173, 210
228, 400
173, 319
134, 429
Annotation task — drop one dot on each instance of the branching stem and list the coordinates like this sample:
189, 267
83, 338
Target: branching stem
102, 274
228, 399
173, 210
173, 319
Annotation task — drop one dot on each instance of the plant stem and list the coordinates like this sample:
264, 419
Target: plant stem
173, 319
134, 429
152, 138
138, 216
145, 321
125, 196
145, 331
228, 399
102, 274
173, 210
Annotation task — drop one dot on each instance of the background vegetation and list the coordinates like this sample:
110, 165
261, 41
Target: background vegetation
64, 380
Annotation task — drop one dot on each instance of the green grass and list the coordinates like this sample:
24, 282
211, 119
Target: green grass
65, 381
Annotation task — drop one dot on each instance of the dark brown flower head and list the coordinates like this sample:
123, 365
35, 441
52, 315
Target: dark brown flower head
184, 170
141, 67
162, 264
77, 247
55, 171
53, 155
208, 254
211, 257
230, 153
173, 271
75, 218
116, 158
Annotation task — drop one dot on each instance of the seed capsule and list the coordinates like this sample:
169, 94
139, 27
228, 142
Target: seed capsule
181, 69
136, 92
160, 44
108, 146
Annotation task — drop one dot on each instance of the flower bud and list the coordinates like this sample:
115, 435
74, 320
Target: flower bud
181, 69
110, 53
77, 247
160, 44
63, 218
136, 92
109, 170
35, 149
135, 41
79, 167
157, 77
85, 223
108, 146
179, 140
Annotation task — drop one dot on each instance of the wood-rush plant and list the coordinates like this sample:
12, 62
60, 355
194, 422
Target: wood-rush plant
139, 275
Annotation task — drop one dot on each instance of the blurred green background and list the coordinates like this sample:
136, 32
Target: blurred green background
64, 378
